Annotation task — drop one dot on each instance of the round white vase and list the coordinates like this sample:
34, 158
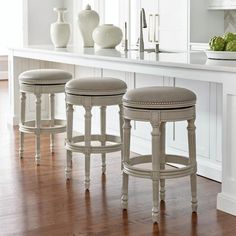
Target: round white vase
88, 20
107, 36
60, 30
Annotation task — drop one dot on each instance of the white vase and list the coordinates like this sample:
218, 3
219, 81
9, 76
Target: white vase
60, 30
88, 20
107, 36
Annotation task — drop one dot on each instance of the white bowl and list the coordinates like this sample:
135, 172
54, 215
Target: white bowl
107, 36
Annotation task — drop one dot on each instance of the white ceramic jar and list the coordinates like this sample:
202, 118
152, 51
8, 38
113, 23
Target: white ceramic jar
107, 36
88, 20
60, 30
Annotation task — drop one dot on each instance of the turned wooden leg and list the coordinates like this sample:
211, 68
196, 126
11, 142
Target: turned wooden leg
69, 132
163, 159
121, 131
103, 134
192, 158
37, 126
156, 153
52, 118
87, 139
125, 158
22, 122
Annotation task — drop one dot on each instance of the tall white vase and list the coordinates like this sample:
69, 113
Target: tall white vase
88, 20
60, 30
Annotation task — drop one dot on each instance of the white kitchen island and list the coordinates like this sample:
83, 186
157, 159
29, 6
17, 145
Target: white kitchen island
213, 81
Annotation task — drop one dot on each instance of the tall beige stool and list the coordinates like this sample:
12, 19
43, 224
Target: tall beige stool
90, 92
38, 82
159, 105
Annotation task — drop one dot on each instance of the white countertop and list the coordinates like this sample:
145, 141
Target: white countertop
189, 60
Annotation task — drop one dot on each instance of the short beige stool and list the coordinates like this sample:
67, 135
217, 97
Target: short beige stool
38, 82
159, 105
90, 92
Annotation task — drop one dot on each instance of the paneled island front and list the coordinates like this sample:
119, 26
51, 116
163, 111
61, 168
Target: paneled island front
213, 81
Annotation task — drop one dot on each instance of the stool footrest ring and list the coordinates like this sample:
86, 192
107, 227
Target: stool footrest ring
75, 145
188, 169
45, 126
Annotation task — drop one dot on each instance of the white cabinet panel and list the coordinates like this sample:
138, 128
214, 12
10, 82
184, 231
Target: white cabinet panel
173, 24
178, 132
208, 124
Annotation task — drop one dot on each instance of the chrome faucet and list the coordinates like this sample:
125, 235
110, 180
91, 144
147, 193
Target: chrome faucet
143, 24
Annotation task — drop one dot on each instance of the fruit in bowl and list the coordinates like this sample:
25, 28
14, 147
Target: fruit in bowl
225, 43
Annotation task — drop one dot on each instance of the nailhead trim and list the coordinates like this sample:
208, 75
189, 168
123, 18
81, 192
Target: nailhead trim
159, 103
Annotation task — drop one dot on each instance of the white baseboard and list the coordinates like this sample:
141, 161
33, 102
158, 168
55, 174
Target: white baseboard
226, 203
3, 75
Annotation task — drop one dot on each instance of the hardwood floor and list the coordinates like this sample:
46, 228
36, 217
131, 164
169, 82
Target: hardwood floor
38, 201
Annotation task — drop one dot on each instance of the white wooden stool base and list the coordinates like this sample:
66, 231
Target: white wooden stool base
73, 142
39, 126
159, 158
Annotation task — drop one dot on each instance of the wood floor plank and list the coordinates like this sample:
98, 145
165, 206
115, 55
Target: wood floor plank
38, 201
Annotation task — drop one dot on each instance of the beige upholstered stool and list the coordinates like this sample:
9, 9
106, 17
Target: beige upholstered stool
89, 92
38, 82
159, 105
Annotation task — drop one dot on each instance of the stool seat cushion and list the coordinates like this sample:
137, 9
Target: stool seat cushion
96, 86
158, 97
45, 77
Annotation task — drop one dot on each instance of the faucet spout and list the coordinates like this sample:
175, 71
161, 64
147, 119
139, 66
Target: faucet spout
143, 24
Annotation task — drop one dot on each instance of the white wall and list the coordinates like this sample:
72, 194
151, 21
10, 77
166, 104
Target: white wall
40, 17
204, 23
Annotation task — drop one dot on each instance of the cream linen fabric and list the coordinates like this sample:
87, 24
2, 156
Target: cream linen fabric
45, 77
159, 98
96, 86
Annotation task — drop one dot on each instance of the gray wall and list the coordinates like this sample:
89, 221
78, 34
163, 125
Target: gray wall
40, 16
204, 23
